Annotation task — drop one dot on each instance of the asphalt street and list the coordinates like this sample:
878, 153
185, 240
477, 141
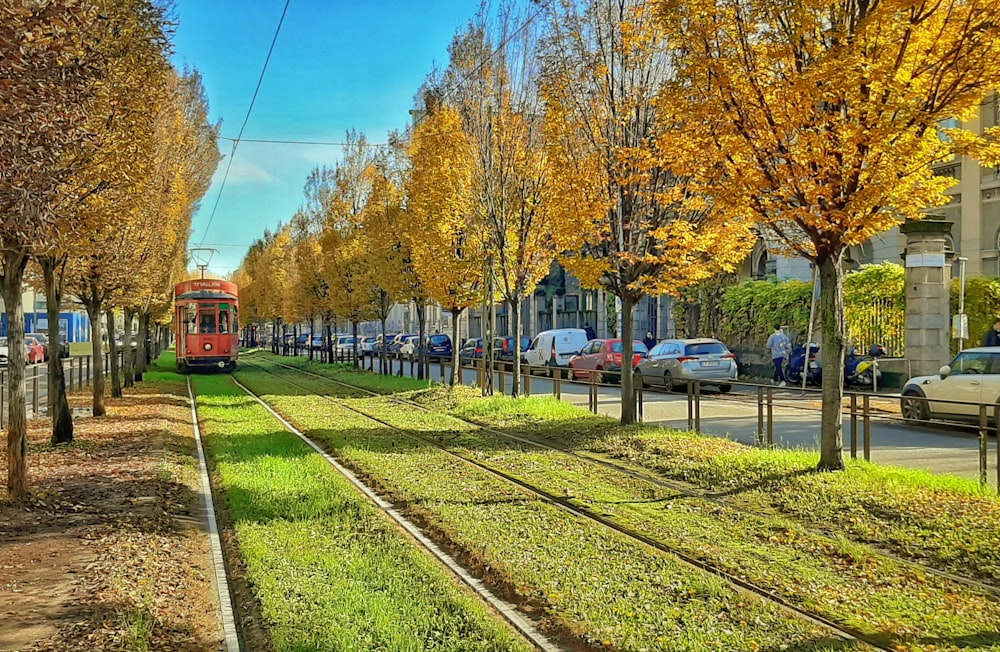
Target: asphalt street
936, 447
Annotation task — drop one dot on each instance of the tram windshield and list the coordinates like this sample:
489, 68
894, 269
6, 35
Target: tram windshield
206, 322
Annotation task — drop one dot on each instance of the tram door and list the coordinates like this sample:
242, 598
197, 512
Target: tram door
190, 324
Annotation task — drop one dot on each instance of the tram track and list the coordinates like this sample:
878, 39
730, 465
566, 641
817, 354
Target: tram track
716, 498
840, 630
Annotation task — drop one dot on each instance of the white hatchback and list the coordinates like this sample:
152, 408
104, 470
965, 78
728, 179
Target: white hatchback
957, 390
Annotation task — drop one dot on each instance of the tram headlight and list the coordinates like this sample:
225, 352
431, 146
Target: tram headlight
208, 346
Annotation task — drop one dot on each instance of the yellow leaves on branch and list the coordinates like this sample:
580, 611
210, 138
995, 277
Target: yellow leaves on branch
829, 117
444, 235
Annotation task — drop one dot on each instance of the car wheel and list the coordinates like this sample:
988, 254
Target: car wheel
640, 380
599, 377
725, 389
914, 409
668, 381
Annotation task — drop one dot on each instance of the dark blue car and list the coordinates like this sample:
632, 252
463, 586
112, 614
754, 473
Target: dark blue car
439, 346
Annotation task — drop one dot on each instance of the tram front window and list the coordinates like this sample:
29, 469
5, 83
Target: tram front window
207, 323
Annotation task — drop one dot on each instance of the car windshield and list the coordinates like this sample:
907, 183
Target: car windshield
637, 347
3, 341
41, 338
705, 348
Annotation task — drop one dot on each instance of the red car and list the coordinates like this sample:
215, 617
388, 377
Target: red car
34, 350
602, 359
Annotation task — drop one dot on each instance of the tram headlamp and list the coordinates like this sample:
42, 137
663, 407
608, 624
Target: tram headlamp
208, 346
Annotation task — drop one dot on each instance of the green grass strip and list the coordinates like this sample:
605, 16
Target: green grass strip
330, 571
842, 580
600, 585
948, 522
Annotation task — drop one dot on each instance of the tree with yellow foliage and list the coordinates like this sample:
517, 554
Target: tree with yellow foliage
642, 227
823, 119
344, 248
384, 273
446, 238
496, 94
50, 61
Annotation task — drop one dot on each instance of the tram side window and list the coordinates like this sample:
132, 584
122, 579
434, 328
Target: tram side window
236, 319
223, 321
192, 318
207, 324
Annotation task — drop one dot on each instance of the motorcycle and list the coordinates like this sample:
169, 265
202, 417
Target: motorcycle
863, 370
797, 362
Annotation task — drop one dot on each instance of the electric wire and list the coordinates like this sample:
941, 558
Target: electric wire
246, 119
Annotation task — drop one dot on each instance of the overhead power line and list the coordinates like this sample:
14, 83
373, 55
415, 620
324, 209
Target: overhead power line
327, 143
253, 99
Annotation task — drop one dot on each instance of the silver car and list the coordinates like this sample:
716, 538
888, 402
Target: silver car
672, 362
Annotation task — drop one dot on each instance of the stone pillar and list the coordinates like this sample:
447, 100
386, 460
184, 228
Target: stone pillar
928, 293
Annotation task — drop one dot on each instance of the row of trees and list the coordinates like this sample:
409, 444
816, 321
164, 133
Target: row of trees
646, 146
106, 151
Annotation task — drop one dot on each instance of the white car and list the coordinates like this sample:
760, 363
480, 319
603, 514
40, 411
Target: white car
4, 351
409, 347
957, 390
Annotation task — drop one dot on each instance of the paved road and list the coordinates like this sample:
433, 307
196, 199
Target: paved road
939, 448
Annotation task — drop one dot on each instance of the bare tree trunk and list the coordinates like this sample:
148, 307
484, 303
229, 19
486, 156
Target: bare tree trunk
354, 346
628, 398
141, 350
93, 305
831, 312
62, 418
129, 362
424, 363
456, 369
17, 424
116, 377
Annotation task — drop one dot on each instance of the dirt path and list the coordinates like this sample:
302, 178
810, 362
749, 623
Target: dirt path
109, 553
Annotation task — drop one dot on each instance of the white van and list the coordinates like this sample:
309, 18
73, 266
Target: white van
555, 347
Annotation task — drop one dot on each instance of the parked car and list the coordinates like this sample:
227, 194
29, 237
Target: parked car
34, 350
43, 340
504, 347
318, 343
410, 347
343, 346
63, 347
555, 348
4, 351
472, 350
396, 342
302, 341
367, 346
602, 360
673, 361
973, 377
439, 346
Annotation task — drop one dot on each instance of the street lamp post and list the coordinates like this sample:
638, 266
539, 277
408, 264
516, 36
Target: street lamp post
962, 325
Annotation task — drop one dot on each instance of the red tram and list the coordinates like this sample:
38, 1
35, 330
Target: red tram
206, 324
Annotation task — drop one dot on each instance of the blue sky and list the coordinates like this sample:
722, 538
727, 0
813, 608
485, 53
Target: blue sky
337, 65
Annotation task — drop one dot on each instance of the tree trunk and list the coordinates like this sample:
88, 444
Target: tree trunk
62, 418
381, 353
141, 350
17, 424
628, 396
456, 369
831, 314
354, 332
93, 306
423, 362
515, 325
129, 354
116, 377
